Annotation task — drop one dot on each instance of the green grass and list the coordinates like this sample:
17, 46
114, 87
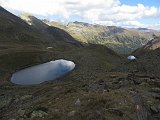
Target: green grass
120, 40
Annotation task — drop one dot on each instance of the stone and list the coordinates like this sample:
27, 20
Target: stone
156, 90
5, 101
38, 113
149, 102
21, 119
72, 113
115, 111
137, 81
143, 84
113, 76
156, 96
78, 102
97, 114
16, 100
25, 97
154, 109
21, 112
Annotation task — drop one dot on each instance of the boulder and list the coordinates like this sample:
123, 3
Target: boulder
21, 112
154, 109
38, 113
71, 114
78, 102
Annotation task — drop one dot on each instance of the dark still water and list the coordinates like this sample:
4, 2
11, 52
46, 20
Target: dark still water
43, 72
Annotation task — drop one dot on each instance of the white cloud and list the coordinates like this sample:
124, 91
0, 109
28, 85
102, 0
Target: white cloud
99, 11
130, 24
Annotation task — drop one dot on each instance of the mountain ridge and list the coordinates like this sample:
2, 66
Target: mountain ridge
103, 85
119, 39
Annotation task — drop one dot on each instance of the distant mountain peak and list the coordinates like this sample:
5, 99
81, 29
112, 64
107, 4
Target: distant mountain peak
31, 20
143, 28
26, 17
77, 23
25, 14
153, 44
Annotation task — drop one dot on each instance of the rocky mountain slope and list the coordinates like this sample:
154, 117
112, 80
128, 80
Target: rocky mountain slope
57, 33
149, 56
95, 90
15, 30
147, 59
121, 40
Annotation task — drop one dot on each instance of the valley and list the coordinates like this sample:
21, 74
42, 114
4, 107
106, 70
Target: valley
104, 85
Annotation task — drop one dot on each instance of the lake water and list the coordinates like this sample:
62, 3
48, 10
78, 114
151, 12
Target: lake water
131, 57
43, 72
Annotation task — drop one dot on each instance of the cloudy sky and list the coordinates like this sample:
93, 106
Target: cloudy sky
125, 13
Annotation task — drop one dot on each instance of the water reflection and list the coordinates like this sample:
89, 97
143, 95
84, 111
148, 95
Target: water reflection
43, 72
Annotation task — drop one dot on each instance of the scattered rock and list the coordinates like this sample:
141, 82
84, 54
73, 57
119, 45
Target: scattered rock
25, 97
123, 83
152, 77
156, 90
78, 102
144, 84
137, 81
115, 111
154, 109
5, 101
56, 110
16, 100
38, 113
113, 76
71, 114
156, 96
98, 87
21, 112
21, 119
149, 102
97, 114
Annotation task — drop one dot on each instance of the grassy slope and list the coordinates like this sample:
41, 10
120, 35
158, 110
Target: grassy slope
147, 59
103, 94
149, 56
118, 39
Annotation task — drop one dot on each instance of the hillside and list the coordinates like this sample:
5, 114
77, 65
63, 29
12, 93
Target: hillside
121, 40
147, 59
31, 20
148, 56
95, 90
15, 30
56, 33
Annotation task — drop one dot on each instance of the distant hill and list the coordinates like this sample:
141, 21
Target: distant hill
96, 89
121, 40
150, 32
31, 20
57, 33
152, 45
31, 41
148, 59
17, 31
